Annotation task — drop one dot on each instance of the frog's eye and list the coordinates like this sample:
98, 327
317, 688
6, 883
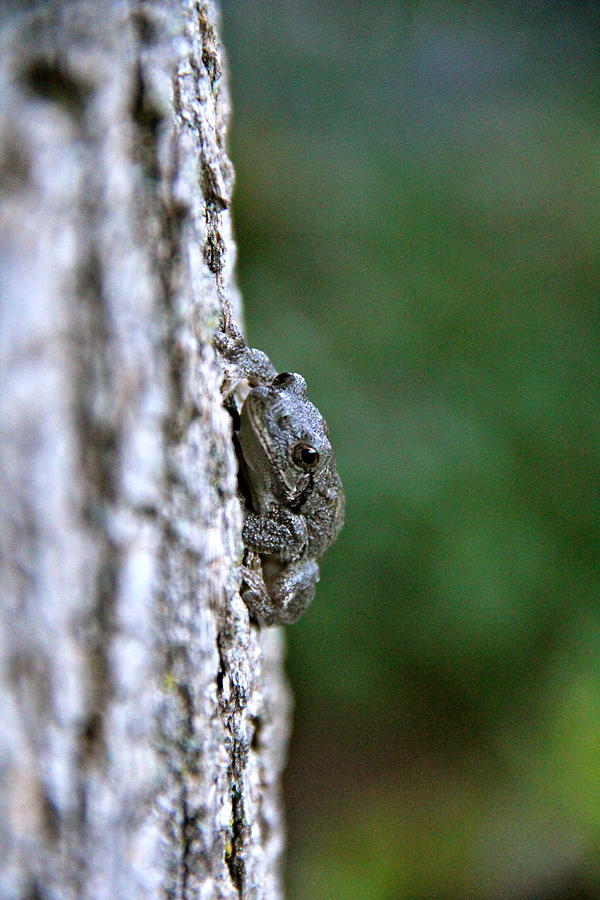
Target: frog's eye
304, 455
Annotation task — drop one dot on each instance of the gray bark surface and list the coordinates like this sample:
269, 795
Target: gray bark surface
143, 717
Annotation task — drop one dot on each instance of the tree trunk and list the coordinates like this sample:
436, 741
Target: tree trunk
144, 719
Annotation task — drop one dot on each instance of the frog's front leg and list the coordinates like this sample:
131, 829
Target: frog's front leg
282, 534
278, 594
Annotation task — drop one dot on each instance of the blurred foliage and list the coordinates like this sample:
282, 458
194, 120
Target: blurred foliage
417, 219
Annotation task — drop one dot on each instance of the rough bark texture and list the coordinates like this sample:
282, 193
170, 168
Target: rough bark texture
143, 718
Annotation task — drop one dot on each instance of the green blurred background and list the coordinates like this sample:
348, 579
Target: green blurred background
417, 217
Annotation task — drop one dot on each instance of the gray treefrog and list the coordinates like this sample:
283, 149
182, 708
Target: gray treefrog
294, 496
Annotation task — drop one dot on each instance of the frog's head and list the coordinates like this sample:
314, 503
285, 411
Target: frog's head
284, 442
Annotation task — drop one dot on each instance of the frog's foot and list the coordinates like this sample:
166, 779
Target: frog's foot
283, 597
241, 360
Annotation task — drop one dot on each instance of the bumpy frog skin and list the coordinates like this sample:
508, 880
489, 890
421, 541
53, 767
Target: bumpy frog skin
295, 493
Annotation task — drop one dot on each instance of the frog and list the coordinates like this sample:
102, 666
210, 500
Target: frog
292, 493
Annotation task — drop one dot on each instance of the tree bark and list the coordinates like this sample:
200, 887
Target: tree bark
144, 718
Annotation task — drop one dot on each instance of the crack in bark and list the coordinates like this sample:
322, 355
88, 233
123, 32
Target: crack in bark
235, 858
99, 453
231, 707
214, 247
210, 57
148, 119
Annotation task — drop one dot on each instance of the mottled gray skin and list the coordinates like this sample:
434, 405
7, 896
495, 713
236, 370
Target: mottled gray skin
297, 499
